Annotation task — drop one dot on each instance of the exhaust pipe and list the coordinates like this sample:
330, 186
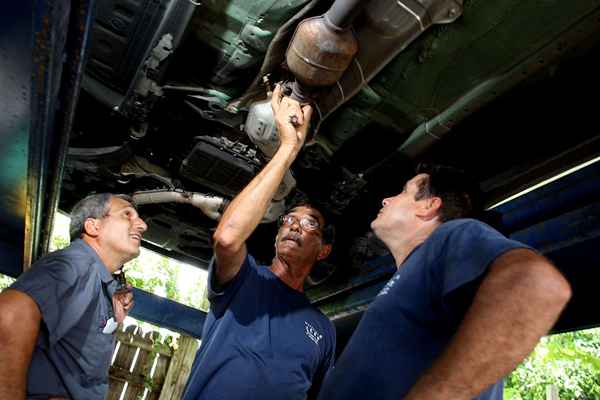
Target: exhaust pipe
342, 13
211, 206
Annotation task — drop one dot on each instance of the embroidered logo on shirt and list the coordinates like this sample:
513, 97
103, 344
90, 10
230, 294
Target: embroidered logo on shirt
312, 333
388, 286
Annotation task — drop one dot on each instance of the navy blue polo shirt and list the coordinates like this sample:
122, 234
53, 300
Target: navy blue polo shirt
73, 290
261, 340
415, 315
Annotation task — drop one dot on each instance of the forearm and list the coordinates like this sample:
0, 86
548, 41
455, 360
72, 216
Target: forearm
247, 209
19, 326
245, 212
12, 382
517, 303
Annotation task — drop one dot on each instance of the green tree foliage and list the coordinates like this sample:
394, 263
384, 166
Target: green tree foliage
60, 232
570, 361
167, 278
58, 242
155, 274
5, 281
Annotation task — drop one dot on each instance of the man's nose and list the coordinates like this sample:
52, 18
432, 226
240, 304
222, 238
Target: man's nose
385, 202
141, 225
295, 224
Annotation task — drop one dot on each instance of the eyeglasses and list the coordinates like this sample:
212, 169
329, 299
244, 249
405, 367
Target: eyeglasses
306, 222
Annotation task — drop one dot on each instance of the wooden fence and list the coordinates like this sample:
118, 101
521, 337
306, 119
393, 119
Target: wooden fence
146, 367
552, 392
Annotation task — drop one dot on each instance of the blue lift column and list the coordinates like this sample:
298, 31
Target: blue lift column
16, 46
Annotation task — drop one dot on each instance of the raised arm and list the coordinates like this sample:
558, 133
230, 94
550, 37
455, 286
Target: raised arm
19, 326
247, 209
518, 302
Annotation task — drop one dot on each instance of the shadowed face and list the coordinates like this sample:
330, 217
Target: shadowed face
301, 235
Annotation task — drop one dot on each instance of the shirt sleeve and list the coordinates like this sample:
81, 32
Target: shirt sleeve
57, 290
220, 296
470, 249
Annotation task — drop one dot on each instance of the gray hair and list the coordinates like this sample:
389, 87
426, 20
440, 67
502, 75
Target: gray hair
92, 206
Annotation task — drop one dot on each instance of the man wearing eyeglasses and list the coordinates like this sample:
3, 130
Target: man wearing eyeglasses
262, 339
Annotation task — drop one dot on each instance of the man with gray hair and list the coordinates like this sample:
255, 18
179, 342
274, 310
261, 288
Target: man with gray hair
57, 321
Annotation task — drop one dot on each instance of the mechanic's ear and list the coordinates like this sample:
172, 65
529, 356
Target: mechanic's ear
91, 227
325, 250
428, 208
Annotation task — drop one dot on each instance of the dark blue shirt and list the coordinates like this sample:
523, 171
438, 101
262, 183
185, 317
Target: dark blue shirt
261, 340
73, 290
415, 315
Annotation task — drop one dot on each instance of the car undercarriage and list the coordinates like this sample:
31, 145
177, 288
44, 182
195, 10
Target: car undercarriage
174, 109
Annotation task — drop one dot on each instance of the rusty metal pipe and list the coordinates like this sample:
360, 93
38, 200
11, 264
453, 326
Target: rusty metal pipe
342, 12
300, 93
322, 48
319, 54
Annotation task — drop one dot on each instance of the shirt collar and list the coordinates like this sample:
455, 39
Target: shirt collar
99, 266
